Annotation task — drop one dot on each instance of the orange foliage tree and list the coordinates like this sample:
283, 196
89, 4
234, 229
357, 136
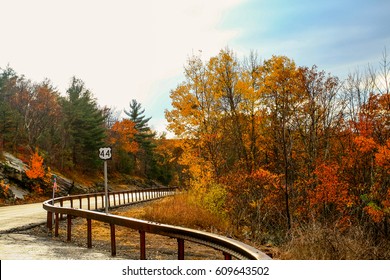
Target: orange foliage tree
256, 201
122, 137
40, 178
330, 197
36, 170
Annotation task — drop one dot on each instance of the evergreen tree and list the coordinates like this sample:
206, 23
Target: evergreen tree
144, 159
83, 126
8, 116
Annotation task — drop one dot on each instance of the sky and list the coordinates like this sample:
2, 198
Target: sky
125, 49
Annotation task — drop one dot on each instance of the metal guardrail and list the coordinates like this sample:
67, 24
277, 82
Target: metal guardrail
228, 246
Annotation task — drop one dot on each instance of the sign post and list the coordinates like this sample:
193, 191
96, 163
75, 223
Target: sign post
54, 192
105, 154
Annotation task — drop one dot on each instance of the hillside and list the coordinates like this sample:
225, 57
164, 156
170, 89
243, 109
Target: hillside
17, 188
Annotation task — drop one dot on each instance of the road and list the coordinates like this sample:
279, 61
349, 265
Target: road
18, 217
16, 245
21, 216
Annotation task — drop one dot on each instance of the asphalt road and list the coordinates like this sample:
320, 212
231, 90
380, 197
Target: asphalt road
13, 218
20, 216
16, 245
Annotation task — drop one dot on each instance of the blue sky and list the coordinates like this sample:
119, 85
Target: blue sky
124, 49
336, 35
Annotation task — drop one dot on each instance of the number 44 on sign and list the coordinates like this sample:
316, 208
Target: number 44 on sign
105, 153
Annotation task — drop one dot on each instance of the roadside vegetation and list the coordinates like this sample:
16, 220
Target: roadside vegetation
273, 153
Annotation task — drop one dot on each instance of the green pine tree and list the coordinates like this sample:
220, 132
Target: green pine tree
83, 126
8, 116
144, 159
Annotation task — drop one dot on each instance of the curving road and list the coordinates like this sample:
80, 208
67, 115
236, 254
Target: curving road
15, 245
20, 216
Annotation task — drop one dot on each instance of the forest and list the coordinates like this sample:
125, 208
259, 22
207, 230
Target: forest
284, 152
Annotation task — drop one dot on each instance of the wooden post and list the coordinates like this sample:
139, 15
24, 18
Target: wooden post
81, 203
180, 249
89, 233
57, 222
89, 202
49, 223
61, 204
113, 243
227, 256
69, 229
142, 245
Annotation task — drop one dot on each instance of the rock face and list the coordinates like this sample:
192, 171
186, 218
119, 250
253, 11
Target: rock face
12, 175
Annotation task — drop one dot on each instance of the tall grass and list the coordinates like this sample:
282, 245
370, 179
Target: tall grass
316, 241
182, 210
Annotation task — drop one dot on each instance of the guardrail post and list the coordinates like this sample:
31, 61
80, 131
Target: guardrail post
89, 233
57, 222
81, 203
96, 202
69, 228
142, 245
49, 223
227, 256
61, 205
113, 243
180, 249
71, 202
89, 202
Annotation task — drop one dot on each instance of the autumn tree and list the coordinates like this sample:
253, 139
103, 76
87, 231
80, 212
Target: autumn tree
281, 97
122, 137
36, 169
44, 116
167, 154
39, 176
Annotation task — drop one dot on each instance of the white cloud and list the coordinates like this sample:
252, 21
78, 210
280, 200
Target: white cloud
122, 49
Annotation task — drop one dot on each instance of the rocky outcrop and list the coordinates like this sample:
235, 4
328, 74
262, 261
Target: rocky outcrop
15, 182
12, 175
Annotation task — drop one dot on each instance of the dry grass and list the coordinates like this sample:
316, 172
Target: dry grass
175, 210
180, 210
319, 242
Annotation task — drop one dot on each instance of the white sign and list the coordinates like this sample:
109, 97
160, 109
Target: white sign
105, 153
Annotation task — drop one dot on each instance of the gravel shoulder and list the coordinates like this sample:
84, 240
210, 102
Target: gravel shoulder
35, 242
23, 246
